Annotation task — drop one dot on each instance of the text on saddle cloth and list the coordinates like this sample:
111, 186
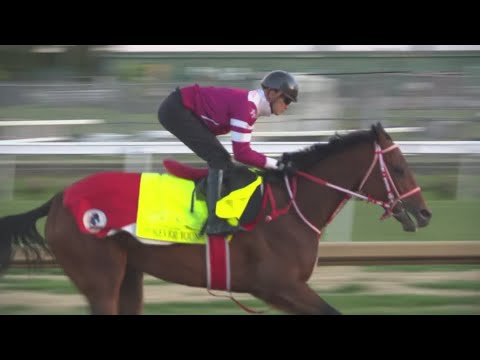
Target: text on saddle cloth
165, 208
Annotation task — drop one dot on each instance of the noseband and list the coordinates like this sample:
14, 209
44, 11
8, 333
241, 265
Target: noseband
394, 196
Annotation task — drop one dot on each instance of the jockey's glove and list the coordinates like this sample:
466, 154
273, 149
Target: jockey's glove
286, 166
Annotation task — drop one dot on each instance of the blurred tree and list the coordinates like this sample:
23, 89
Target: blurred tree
15, 60
83, 61
27, 62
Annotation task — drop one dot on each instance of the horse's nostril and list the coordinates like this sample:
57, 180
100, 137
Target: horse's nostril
425, 214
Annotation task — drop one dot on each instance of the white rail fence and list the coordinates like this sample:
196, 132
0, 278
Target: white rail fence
138, 155
15, 147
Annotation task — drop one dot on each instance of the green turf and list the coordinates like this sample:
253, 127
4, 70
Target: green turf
370, 268
433, 310
16, 310
346, 304
155, 282
349, 289
452, 220
403, 304
55, 286
115, 121
64, 113
38, 272
33, 310
207, 308
421, 268
450, 285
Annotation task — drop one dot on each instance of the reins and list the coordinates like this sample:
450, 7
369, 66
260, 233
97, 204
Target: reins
393, 194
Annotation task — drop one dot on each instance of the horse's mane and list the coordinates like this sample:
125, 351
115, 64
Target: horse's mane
304, 159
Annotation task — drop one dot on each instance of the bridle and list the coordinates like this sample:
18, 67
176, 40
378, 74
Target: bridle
394, 197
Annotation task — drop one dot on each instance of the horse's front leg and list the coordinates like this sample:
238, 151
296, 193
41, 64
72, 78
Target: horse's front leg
299, 299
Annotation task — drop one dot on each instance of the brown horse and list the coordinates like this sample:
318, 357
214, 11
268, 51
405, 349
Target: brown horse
272, 262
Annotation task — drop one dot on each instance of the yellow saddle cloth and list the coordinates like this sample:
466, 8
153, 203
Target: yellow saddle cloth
165, 203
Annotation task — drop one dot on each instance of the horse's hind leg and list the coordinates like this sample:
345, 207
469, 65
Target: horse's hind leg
96, 270
299, 299
95, 266
131, 292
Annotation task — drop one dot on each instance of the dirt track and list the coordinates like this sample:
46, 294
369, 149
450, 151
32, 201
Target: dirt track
324, 279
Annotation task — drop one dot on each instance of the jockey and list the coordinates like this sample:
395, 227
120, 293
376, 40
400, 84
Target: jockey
197, 114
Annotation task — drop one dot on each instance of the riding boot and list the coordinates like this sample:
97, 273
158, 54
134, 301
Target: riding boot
215, 225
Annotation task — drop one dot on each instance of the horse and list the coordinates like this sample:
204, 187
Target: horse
272, 262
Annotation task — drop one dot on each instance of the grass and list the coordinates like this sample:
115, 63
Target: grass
39, 272
226, 310
220, 307
346, 304
54, 286
421, 268
450, 285
349, 289
115, 121
156, 282
34, 272
27, 310
403, 304
48, 113
16, 310
452, 220
433, 310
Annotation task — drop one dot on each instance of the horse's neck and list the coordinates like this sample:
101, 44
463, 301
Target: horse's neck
318, 202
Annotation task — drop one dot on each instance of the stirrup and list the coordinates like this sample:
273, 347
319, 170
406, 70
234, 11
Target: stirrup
230, 229
219, 227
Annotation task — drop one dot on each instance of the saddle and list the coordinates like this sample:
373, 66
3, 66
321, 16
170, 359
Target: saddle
238, 177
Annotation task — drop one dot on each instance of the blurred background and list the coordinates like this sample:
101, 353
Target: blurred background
55, 97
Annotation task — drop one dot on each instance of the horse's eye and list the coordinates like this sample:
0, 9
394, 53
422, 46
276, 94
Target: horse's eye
398, 170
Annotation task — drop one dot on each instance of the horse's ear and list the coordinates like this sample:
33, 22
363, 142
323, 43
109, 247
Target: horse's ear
380, 131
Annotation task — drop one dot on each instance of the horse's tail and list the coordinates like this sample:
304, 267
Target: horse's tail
20, 230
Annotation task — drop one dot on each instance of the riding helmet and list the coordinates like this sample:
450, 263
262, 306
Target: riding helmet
283, 81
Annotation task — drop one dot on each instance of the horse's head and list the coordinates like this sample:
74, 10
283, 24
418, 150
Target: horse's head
367, 165
391, 180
